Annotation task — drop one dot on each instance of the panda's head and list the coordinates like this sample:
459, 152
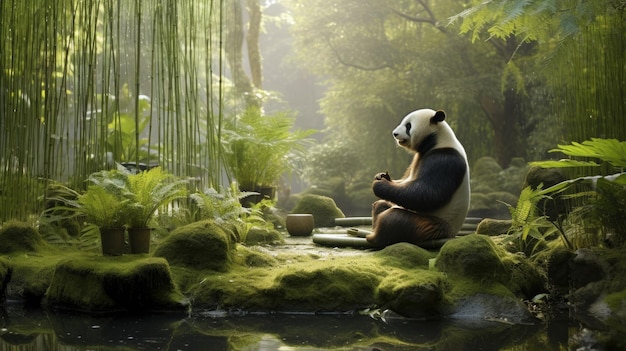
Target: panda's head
423, 130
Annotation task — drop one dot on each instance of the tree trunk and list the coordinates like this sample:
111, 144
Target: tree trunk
503, 117
233, 47
252, 41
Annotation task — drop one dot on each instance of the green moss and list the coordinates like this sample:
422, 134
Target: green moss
120, 283
253, 257
524, 278
332, 286
323, 209
473, 256
31, 275
258, 235
418, 293
239, 288
341, 284
198, 245
404, 255
20, 237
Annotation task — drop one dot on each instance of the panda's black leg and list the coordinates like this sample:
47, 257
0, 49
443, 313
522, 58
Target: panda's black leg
379, 207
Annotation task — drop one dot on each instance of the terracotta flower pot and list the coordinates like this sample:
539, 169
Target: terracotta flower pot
300, 224
139, 240
112, 241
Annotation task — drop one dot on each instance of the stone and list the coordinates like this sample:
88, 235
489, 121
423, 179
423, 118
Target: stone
493, 227
415, 294
105, 284
202, 244
20, 237
323, 209
472, 256
586, 267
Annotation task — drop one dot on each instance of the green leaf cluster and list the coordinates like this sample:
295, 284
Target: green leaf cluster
527, 223
260, 148
117, 198
601, 209
611, 151
150, 190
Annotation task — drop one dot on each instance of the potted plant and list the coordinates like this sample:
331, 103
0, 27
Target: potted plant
147, 192
259, 149
103, 206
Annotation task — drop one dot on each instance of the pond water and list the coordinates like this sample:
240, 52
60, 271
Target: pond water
33, 329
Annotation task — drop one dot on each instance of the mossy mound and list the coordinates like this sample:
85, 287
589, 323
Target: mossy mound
492, 227
103, 284
199, 245
323, 209
343, 285
486, 280
20, 237
405, 255
524, 278
473, 256
415, 294
253, 257
258, 235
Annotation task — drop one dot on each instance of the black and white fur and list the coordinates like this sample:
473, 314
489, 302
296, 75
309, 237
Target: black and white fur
432, 198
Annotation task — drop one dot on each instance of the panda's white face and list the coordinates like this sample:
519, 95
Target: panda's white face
414, 128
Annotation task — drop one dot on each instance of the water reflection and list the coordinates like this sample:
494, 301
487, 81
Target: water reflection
23, 329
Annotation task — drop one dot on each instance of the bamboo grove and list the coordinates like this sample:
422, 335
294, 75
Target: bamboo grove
85, 83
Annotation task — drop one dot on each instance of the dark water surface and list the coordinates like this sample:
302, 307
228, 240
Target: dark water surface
24, 329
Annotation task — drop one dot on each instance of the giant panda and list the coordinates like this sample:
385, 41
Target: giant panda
432, 198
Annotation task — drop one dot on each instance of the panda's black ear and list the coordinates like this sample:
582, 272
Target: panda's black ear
438, 117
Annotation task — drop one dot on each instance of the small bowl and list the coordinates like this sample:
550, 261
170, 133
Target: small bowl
300, 224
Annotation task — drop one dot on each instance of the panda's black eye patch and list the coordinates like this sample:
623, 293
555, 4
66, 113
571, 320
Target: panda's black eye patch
408, 128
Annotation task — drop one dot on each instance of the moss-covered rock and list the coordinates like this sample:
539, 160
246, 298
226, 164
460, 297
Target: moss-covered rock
201, 245
524, 279
253, 257
20, 237
258, 235
486, 280
405, 255
415, 294
342, 285
103, 284
473, 256
555, 265
486, 170
323, 209
492, 227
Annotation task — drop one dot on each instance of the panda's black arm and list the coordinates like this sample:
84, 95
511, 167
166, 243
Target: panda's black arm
441, 172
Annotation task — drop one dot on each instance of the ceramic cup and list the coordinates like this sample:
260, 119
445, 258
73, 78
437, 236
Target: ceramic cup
300, 224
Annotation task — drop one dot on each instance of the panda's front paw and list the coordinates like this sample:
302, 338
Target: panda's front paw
382, 175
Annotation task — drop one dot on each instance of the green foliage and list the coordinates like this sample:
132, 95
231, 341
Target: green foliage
333, 159
528, 230
530, 19
125, 132
225, 209
601, 209
259, 149
103, 204
118, 197
611, 151
149, 191
101, 207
